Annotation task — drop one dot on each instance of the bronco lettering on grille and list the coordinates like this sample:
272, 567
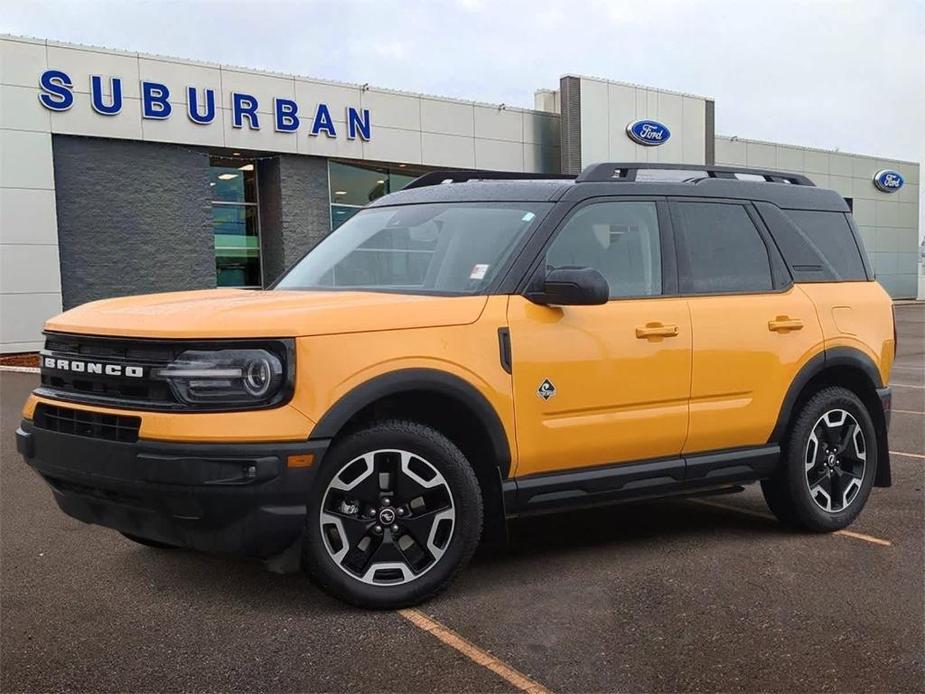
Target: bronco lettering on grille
92, 367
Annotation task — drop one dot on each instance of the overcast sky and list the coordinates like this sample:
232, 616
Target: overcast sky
847, 74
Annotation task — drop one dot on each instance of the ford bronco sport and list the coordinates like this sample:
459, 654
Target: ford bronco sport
476, 347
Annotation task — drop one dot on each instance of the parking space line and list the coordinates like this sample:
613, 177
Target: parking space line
906, 385
866, 538
511, 675
907, 412
768, 516
908, 455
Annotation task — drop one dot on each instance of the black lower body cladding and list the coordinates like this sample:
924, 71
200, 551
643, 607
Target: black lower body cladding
227, 498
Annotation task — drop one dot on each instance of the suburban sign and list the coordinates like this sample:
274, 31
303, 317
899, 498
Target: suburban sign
889, 181
648, 132
156, 104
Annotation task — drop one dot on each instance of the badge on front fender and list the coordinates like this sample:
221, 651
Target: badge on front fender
546, 389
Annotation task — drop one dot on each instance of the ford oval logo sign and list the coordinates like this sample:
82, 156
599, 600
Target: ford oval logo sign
889, 181
648, 132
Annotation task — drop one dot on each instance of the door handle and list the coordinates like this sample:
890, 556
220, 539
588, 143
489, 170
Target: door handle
782, 324
656, 330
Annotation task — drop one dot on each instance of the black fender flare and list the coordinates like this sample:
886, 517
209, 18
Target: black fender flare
826, 359
419, 380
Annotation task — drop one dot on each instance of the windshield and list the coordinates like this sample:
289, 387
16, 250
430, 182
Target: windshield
441, 248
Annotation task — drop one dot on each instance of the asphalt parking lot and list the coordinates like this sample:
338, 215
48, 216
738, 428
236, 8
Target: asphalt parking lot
708, 595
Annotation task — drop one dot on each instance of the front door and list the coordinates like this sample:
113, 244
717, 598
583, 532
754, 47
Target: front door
604, 384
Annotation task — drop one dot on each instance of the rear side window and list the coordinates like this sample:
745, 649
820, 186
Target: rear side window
720, 250
832, 238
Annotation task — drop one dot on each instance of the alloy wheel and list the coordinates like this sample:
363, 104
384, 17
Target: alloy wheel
835, 460
387, 517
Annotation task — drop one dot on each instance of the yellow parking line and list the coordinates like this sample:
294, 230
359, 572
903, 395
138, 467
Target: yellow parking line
908, 455
866, 538
768, 516
907, 412
512, 676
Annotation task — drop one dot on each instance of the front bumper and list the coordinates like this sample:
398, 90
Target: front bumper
227, 498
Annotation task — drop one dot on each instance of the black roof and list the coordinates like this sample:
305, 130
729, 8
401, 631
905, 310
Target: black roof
786, 190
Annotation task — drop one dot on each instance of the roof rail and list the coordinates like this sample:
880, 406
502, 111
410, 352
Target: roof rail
434, 178
621, 171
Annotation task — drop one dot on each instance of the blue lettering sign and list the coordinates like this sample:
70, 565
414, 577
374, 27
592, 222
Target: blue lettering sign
96, 95
244, 105
192, 106
286, 120
323, 121
56, 90
888, 181
648, 132
154, 102
107, 98
357, 125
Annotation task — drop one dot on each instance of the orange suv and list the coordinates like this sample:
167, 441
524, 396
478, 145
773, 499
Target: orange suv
476, 347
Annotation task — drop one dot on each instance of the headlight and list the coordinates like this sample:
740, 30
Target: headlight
224, 377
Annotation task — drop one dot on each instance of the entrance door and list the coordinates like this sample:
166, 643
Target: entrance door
604, 384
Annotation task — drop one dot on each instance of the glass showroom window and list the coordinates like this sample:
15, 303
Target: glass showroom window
353, 186
235, 222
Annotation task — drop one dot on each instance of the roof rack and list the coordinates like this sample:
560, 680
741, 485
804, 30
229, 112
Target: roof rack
621, 171
434, 178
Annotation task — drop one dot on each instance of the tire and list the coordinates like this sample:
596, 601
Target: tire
393, 516
829, 462
148, 543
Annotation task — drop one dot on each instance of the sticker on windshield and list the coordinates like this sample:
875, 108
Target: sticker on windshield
478, 272
528, 217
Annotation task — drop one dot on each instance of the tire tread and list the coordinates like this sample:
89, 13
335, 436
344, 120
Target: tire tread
785, 492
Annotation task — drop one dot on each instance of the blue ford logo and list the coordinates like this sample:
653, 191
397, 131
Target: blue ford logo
889, 181
648, 132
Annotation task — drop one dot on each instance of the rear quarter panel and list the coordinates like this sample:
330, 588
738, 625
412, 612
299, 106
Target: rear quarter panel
858, 315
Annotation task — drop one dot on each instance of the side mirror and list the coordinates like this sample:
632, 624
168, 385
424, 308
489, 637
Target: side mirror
572, 286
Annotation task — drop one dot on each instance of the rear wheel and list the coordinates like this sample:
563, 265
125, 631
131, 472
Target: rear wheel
394, 515
830, 461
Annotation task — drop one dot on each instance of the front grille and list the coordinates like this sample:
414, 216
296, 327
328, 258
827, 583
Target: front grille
106, 388
97, 425
120, 372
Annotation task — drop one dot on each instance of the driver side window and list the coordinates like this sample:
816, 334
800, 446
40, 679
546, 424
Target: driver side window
618, 239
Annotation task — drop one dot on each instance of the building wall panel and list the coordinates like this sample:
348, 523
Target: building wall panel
888, 222
133, 218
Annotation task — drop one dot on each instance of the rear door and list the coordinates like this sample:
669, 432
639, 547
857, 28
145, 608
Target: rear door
752, 327
604, 384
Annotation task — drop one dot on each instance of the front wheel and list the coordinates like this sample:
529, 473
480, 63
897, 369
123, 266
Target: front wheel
393, 516
829, 463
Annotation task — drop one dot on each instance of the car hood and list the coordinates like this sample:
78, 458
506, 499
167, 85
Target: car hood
230, 313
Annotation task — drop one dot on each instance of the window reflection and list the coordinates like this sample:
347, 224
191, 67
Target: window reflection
235, 222
353, 186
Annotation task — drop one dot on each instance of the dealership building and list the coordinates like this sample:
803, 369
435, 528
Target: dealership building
124, 173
